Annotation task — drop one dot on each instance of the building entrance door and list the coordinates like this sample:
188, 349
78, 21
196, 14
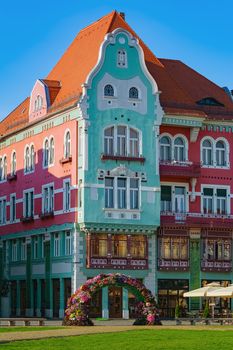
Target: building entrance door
115, 302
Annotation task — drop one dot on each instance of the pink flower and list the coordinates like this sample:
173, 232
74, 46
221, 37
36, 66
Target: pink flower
150, 318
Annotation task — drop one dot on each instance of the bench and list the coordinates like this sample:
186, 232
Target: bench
207, 321
26, 321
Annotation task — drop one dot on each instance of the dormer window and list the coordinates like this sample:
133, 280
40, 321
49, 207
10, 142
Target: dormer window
38, 103
209, 101
108, 91
121, 58
133, 93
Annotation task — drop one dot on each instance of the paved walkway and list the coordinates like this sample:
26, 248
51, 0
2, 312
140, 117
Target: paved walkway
107, 328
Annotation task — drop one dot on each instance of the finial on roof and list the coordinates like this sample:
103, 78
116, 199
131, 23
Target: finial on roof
122, 14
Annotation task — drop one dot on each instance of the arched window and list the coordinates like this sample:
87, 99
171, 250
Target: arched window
221, 153
51, 151
165, 148
38, 103
13, 163
4, 168
46, 153
133, 93
32, 158
179, 149
109, 141
27, 160
108, 90
133, 143
207, 152
67, 148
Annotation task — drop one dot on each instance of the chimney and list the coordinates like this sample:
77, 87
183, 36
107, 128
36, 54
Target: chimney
122, 14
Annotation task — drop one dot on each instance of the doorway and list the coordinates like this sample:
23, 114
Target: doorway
115, 302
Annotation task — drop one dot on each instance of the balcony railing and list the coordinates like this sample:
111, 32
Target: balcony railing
11, 177
47, 215
184, 169
26, 219
117, 263
197, 219
216, 265
119, 157
173, 264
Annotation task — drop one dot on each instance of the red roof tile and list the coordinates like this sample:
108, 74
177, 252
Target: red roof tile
180, 85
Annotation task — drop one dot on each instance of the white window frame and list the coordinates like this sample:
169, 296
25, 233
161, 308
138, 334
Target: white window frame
67, 144
13, 163
56, 242
35, 247
172, 148
3, 168
214, 153
122, 61
65, 195
3, 204
49, 207
186, 194
31, 210
127, 140
23, 249
215, 187
127, 190
14, 250
51, 151
12, 219
68, 241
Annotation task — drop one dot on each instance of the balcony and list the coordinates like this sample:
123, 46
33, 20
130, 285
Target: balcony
216, 265
12, 177
173, 264
179, 169
122, 158
66, 160
117, 263
27, 219
47, 215
196, 219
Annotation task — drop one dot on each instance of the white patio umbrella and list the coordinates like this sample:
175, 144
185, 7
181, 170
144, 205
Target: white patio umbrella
224, 292
202, 292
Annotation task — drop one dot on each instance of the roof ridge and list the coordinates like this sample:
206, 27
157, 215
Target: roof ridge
98, 20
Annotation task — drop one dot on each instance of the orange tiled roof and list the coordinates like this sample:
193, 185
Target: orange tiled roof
181, 86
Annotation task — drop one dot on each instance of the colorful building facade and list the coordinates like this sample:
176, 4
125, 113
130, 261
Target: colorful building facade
118, 161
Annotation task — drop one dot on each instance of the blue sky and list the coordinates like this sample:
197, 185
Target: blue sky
34, 35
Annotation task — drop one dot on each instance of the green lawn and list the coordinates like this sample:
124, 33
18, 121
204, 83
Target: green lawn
165, 339
26, 328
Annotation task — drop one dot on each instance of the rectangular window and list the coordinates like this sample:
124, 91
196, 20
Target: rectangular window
42, 246
14, 255
35, 247
175, 248
121, 193
66, 196
217, 249
221, 201
134, 191
23, 249
180, 206
138, 246
208, 201
28, 204
99, 245
48, 199
109, 141
166, 198
121, 140
56, 244
109, 192
12, 208
67, 243
2, 211
119, 246
133, 143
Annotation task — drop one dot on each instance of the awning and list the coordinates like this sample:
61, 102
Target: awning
202, 292
226, 292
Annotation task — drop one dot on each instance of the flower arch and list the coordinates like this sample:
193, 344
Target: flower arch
77, 305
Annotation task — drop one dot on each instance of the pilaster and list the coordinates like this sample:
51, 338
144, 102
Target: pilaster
195, 263
125, 304
105, 311
29, 287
